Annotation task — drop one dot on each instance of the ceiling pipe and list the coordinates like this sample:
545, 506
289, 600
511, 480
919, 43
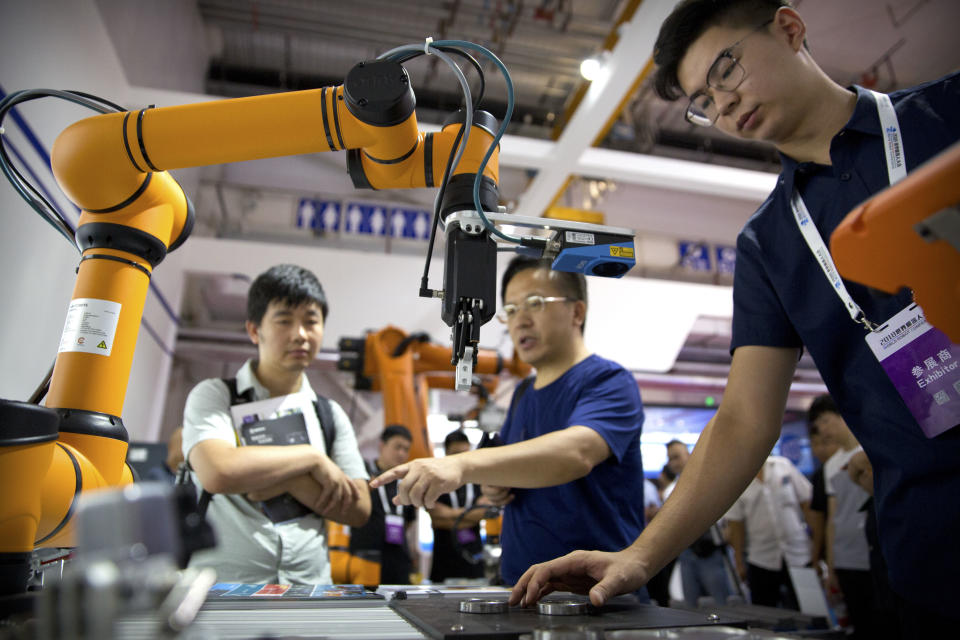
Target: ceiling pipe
601, 101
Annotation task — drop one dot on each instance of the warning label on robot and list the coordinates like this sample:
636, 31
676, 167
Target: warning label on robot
91, 326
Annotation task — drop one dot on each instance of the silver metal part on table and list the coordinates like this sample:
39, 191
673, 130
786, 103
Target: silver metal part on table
697, 633
483, 605
565, 633
562, 608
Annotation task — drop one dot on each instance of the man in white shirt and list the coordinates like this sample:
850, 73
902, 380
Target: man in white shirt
769, 516
286, 309
848, 554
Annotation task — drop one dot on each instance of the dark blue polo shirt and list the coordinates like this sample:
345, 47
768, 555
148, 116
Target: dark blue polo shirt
602, 510
783, 299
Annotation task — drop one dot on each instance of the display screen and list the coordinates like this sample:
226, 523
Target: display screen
665, 423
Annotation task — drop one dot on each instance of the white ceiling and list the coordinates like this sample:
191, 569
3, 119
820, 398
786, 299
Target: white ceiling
253, 46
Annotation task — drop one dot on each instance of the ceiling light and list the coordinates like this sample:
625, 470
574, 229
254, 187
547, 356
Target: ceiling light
590, 68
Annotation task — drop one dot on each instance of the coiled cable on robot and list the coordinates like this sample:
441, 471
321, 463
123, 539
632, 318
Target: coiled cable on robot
21, 185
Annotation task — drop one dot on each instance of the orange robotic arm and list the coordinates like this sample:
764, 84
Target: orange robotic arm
114, 168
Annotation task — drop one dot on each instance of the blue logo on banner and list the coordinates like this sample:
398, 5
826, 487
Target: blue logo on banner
410, 223
363, 218
366, 219
319, 215
726, 259
694, 256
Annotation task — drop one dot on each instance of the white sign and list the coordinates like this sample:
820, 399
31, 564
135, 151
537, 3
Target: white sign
91, 326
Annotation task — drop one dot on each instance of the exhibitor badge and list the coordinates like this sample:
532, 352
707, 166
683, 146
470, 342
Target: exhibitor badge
923, 365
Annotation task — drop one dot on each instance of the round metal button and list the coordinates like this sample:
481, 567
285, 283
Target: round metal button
482, 605
562, 608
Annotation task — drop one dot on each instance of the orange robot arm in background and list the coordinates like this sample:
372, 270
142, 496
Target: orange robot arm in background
398, 364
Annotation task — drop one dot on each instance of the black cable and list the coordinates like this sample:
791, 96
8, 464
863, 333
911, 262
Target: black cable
33, 197
29, 192
89, 96
43, 387
424, 280
23, 187
463, 54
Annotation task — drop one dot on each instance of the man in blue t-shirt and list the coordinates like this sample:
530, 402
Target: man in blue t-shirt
744, 67
569, 471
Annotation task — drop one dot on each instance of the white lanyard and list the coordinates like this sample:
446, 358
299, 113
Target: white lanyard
455, 502
896, 171
386, 503
373, 469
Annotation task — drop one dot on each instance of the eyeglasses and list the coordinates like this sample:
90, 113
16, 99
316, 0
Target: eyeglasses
725, 74
532, 304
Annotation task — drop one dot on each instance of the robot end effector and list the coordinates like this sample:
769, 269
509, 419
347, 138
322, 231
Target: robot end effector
469, 296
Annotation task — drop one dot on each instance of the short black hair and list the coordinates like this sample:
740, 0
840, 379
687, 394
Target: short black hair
395, 430
821, 404
454, 437
688, 21
287, 283
573, 285
667, 471
675, 441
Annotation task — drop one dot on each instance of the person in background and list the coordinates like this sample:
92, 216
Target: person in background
823, 447
286, 311
702, 567
651, 500
848, 551
388, 539
457, 547
659, 585
767, 531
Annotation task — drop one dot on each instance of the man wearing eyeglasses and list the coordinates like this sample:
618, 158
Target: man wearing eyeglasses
745, 69
569, 471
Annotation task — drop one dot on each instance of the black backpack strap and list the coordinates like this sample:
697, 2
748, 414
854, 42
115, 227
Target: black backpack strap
325, 415
237, 398
518, 393
493, 439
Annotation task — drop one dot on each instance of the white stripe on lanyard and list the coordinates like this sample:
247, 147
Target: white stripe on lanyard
893, 142
386, 503
375, 471
896, 171
455, 501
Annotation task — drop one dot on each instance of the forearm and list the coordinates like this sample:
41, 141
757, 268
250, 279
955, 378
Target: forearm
356, 513
310, 493
228, 469
546, 461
